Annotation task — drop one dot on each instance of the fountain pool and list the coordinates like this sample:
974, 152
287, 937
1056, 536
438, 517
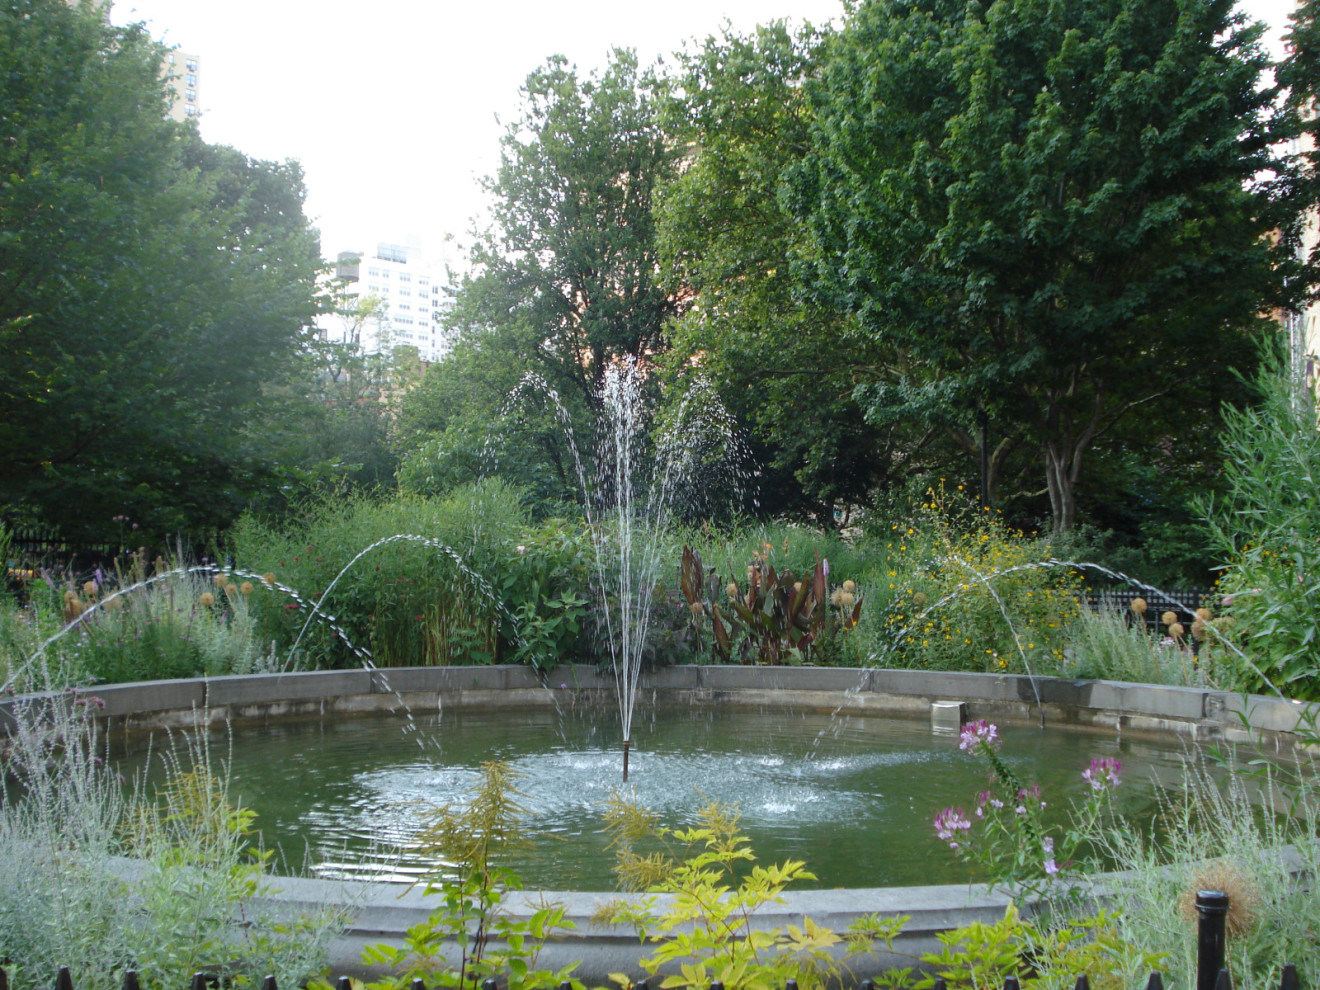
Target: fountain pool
1118, 717
852, 796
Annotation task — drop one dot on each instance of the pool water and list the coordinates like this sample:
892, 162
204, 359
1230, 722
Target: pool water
853, 797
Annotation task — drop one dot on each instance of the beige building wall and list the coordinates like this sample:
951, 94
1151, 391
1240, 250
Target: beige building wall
183, 73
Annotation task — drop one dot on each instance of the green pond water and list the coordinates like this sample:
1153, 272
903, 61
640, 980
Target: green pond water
852, 796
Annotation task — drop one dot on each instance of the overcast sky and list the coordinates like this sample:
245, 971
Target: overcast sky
392, 105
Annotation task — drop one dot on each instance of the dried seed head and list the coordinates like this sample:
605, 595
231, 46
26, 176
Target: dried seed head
731, 589
1243, 895
89, 589
220, 580
1169, 618
1138, 605
206, 599
1176, 630
1204, 614
849, 585
246, 588
269, 578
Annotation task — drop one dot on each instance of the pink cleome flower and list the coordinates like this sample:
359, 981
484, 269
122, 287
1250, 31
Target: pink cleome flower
949, 824
976, 732
1103, 774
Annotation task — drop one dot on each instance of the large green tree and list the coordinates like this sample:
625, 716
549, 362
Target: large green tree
569, 267
786, 365
1047, 208
152, 287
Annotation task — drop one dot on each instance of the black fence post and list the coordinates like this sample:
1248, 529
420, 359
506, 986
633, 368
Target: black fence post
1212, 912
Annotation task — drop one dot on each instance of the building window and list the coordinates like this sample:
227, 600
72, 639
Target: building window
190, 110
191, 79
191, 95
404, 277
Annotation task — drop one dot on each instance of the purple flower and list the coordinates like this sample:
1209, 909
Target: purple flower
948, 823
978, 732
1103, 774
986, 799
1051, 867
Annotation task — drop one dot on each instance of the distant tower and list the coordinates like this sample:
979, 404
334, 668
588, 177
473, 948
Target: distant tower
411, 294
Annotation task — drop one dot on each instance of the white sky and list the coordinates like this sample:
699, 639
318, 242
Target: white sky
391, 105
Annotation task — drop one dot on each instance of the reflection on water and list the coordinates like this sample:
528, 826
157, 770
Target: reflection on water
346, 794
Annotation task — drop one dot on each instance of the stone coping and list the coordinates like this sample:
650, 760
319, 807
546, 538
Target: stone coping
1194, 712
383, 912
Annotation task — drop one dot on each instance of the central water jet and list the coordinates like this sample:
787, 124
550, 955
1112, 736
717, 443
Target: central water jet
640, 477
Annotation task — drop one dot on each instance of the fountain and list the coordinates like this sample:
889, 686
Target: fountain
629, 499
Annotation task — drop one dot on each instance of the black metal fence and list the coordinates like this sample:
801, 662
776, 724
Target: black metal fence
1211, 944
1182, 601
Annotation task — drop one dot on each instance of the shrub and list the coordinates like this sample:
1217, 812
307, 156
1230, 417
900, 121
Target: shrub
428, 600
1253, 836
1267, 530
961, 591
189, 904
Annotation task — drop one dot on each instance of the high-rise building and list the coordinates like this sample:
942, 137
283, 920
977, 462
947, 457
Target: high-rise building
183, 73
409, 301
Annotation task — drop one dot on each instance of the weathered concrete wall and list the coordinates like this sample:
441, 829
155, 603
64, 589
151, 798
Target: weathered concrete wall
1194, 712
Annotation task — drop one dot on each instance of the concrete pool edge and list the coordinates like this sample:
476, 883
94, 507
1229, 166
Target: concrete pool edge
1197, 713
380, 912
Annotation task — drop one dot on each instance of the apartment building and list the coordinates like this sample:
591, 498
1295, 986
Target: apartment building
409, 291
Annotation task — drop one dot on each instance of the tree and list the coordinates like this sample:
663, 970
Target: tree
153, 286
569, 267
1047, 207
784, 363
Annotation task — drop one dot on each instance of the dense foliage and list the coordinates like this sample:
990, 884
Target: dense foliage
152, 286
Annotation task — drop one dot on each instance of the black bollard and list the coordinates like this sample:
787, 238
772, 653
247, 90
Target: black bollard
1288, 978
1212, 911
1156, 982
269, 982
1082, 983
64, 980
131, 980
489, 985
1011, 983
